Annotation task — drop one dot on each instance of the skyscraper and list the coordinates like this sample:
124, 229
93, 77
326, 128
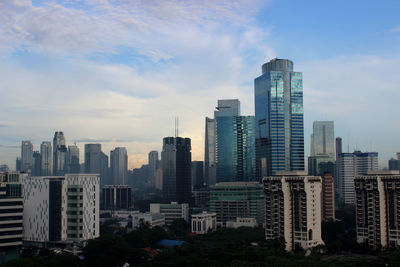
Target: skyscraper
60, 160
350, 165
73, 159
119, 165
96, 162
176, 161
27, 161
36, 170
197, 174
46, 159
153, 165
279, 118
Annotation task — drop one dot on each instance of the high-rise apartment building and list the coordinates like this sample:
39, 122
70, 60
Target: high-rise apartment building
73, 159
225, 108
350, 165
60, 157
230, 200
394, 164
27, 160
279, 118
378, 209
61, 208
176, 161
96, 162
328, 197
11, 203
116, 197
46, 155
119, 165
293, 209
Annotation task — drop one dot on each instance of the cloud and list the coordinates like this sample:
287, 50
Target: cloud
395, 29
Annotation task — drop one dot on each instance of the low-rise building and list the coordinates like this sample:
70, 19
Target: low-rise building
293, 209
242, 222
204, 222
116, 197
172, 211
153, 219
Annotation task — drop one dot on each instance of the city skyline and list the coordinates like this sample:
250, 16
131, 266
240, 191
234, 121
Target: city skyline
122, 67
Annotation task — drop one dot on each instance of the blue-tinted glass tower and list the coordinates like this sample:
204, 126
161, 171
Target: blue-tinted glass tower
279, 118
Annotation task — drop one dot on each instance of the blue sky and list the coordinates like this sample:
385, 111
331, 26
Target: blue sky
119, 71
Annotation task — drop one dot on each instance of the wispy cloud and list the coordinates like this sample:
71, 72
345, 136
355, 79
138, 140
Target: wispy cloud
395, 29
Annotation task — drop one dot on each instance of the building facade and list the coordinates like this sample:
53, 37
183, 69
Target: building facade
394, 164
119, 165
11, 202
61, 208
152, 219
46, 155
73, 159
97, 162
176, 161
350, 165
197, 174
116, 197
172, 211
204, 222
27, 160
60, 154
293, 209
279, 118
378, 209
230, 200
328, 197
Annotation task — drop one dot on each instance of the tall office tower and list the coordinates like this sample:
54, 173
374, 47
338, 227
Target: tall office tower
159, 178
59, 154
11, 203
46, 159
293, 209
350, 165
37, 165
119, 165
116, 197
338, 146
27, 161
322, 159
279, 118
96, 162
62, 208
73, 159
328, 197
197, 174
394, 164
18, 164
153, 166
230, 200
225, 108
377, 209
176, 161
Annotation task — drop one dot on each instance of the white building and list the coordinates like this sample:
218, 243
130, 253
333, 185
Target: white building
204, 222
61, 208
153, 219
242, 222
172, 212
378, 209
293, 209
350, 165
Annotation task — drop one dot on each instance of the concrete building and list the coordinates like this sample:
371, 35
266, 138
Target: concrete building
97, 162
328, 197
46, 161
153, 166
204, 222
172, 212
27, 160
394, 164
60, 154
350, 165
201, 198
230, 200
119, 165
279, 118
242, 222
11, 207
73, 159
197, 174
177, 169
153, 219
378, 209
61, 208
293, 209
36, 170
116, 197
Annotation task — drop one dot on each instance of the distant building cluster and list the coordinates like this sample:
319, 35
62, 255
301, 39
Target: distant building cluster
253, 175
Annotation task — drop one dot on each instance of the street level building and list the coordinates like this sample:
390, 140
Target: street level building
116, 197
204, 222
378, 209
172, 211
152, 219
293, 209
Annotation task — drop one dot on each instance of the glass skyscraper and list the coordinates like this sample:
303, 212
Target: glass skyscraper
279, 118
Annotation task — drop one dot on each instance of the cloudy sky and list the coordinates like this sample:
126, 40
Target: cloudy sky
118, 71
